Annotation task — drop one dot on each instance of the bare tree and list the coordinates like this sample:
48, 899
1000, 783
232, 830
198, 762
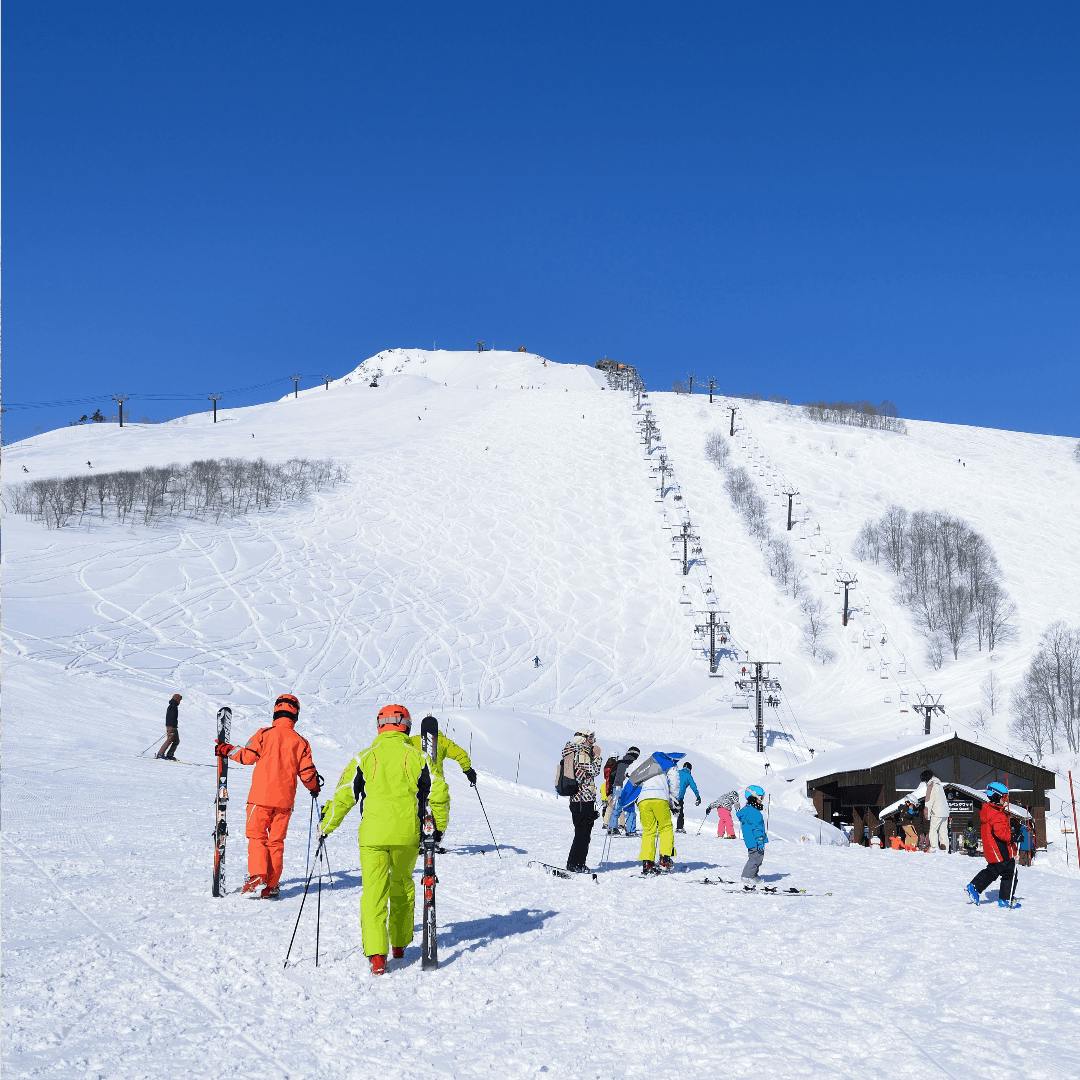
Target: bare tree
991, 692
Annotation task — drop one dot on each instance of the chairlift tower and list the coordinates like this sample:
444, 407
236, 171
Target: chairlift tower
760, 680
928, 705
713, 627
849, 584
712, 389
790, 501
686, 536
731, 431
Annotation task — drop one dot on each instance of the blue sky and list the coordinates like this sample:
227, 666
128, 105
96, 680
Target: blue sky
842, 200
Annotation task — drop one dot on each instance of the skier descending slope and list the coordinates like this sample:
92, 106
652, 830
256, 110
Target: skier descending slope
440, 790
998, 848
654, 786
281, 757
753, 833
389, 782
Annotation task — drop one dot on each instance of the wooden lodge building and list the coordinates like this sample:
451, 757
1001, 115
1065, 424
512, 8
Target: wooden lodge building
859, 794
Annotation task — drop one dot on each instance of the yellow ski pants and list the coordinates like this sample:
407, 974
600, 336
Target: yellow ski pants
655, 817
388, 895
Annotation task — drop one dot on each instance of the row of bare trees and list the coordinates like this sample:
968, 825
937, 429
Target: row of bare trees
217, 487
1046, 705
949, 577
857, 414
777, 551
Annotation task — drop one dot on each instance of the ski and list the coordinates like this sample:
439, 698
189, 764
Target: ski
773, 892
221, 801
429, 952
559, 871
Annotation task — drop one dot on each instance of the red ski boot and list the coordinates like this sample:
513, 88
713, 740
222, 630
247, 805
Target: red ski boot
378, 963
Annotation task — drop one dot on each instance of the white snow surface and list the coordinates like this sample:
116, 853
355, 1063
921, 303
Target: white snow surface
501, 506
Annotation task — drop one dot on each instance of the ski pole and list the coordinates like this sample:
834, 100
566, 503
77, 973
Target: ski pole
311, 816
701, 825
333, 881
488, 820
307, 885
318, 912
150, 747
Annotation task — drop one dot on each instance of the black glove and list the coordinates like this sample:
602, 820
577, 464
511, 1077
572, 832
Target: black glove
698, 802
470, 775
708, 810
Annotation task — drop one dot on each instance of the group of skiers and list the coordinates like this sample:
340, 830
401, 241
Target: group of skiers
392, 783
653, 788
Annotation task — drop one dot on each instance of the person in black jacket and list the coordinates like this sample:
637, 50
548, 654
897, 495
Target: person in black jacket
618, 778
172, 724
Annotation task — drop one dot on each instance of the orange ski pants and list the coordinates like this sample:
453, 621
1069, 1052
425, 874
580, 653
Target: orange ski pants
265, 832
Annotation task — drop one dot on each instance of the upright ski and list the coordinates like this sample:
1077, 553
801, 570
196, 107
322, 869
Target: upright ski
429, 741
221, 801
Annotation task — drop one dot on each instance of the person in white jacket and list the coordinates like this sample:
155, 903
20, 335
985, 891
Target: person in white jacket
657, 798
931, 792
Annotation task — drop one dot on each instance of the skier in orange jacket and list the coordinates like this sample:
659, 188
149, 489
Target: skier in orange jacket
281, 757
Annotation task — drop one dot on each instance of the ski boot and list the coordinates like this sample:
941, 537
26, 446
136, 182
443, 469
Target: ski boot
973, 894
1008, 904
648, 868
253, 887
378, 963
749, 886
667, 864
269, 893
398, 952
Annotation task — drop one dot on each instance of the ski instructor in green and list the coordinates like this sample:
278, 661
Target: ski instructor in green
389, 782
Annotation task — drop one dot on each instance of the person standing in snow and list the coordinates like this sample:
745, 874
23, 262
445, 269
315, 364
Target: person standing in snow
618, 778
581, 759
172, 729
389, 782
686, 781
753, 833
439, 799
605, 788
654, 786
1026, 845
725, 826
931, 792
999, 848
281, 757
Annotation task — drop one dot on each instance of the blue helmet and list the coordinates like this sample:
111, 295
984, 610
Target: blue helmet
996, 788
754, 792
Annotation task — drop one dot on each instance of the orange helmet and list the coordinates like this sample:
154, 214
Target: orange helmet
287, 705
394, 718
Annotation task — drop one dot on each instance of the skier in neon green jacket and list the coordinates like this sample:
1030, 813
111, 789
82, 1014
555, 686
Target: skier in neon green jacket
390, 782
440, 790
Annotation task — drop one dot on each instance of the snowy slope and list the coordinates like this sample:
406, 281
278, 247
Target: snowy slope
499, 507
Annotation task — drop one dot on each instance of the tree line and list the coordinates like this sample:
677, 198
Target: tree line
216, 487
856, 414
948, 577
779, 558
1046, 704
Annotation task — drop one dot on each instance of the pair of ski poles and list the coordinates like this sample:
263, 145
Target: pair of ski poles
320, 856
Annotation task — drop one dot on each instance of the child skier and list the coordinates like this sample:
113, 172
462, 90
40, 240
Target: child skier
281, 757
999, 849
389, 782
725, 827
753, 834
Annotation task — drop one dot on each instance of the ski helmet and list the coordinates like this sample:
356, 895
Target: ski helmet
996, 790
287, 705
754, 792
394, 718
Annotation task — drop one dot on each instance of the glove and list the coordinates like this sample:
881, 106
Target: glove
708, 810
698, 802
319, 781
676, 805
470, 775
223, 749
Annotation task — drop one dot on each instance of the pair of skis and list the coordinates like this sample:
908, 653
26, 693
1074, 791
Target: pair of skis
560, 872
764, 890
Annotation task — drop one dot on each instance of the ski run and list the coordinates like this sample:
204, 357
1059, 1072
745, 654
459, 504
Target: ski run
501, 559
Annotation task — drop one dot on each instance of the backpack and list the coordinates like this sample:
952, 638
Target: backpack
643, 771
565, 783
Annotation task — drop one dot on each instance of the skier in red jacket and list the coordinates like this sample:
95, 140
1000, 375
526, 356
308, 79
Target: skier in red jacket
998, 848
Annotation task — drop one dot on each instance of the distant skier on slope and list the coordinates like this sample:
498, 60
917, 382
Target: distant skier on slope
753, 833
725, 826
536, 659
653, 786
389, 782
172, 729
281, 757
686, 781
439, 798
999, 847
581, 758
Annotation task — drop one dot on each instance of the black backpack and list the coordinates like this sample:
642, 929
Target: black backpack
565, 784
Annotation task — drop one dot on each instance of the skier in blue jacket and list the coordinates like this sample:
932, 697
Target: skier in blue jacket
753, 834
686, 780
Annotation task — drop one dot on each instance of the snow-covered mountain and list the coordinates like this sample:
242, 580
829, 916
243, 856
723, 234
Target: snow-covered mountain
500, 507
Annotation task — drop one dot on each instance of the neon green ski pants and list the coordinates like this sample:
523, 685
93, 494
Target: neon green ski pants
388, 895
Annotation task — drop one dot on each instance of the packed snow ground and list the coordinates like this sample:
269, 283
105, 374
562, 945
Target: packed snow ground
500, 508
